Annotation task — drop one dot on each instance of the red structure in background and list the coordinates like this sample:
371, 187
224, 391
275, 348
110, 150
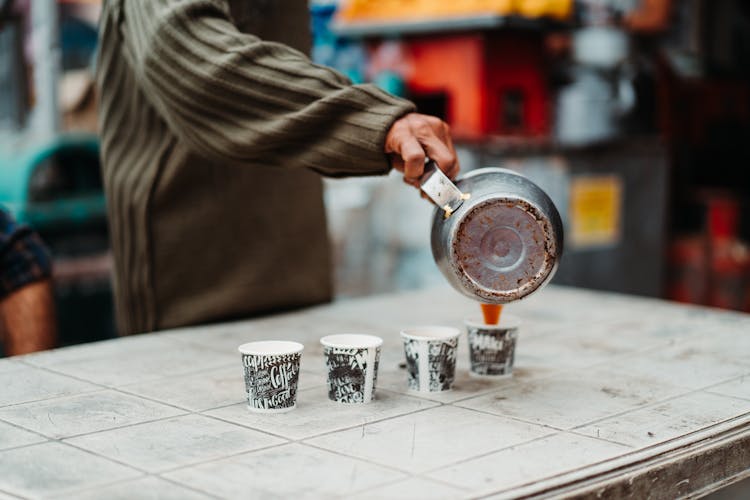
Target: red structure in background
492, 83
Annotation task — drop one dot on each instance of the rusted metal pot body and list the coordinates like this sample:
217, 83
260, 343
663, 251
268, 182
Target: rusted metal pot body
496, 236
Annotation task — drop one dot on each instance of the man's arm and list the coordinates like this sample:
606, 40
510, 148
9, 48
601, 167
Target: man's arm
27, 313
239, 99
27, 319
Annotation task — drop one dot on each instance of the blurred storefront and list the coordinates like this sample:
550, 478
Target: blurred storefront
624, 111
633, 114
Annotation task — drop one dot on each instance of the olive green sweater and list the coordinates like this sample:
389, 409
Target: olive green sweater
214, 131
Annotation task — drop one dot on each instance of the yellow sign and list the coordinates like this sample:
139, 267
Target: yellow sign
595, 210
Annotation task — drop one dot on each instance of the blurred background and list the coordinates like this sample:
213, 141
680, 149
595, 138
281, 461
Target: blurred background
634, 115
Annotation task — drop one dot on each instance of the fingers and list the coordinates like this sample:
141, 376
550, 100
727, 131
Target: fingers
413, 138
413, 155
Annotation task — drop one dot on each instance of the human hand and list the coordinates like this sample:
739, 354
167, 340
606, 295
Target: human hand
415, 137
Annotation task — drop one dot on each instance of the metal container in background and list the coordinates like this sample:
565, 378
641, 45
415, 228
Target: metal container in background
496, 236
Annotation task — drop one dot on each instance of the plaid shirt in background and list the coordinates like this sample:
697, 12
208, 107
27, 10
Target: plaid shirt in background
23, 256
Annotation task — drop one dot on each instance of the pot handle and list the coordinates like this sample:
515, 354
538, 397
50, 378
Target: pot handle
439, 188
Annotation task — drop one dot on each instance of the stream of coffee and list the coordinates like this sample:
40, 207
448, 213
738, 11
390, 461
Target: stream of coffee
491, 313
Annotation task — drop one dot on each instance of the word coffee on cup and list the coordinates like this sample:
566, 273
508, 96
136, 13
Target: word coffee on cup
271, 371
352, 361
430, 357
492, 347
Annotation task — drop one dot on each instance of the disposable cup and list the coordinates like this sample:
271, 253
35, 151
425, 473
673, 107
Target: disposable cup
271, 375
492, 347
430, 357
352, 362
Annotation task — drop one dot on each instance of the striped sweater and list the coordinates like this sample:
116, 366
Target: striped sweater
214, 134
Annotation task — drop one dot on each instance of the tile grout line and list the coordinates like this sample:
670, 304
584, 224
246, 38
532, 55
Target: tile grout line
635, 451
12, 405
187, 411
485, 454
511, 417
189, 487
225, 421
349, 427
689, 392
359, 459
400, 480
670, 440
301, 440
115, 386
98, 455
20, 427
13, 495
105, 485
740, 398
218, 459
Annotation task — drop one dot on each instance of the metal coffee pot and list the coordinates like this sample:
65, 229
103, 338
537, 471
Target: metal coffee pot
496, 236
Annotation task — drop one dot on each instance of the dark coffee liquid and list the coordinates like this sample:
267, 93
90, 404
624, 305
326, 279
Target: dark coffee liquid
491, 313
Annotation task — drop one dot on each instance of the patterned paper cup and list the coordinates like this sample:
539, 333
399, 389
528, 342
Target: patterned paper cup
430, 357
352, 362
492, 347
271, 375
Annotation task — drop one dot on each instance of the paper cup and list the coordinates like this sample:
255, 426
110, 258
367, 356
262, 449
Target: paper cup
430, 357
492, 347
271, 375
352, 362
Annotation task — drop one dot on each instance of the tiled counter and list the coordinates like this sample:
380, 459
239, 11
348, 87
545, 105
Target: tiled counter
612, 396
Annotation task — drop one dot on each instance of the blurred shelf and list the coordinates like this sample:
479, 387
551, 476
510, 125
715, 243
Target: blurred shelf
508, 144
390, 28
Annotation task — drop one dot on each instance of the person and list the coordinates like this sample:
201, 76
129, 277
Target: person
215, 130
27, 311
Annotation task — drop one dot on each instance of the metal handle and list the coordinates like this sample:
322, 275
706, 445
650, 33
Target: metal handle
439, 188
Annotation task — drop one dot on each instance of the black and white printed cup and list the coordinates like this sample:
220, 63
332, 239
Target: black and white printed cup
352, 362
430, 357
271, 375
492, 347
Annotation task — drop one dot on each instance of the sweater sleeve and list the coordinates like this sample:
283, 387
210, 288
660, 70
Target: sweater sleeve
233, 97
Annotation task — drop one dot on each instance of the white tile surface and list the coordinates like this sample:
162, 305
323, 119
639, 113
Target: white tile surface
316, 414
410, 489
12, 436
465, 386
724, 341
146, 488
429, 439
528, 463
31, 384
8, 364
289, 471
601, 364
137, 359
85, 413
687, 363
668, 420
739, 388
172, 443
202, 391
54, 468
559, 352
573, 398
